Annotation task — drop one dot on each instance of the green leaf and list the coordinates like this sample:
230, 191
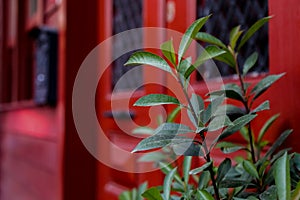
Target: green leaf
263, 106
186, 168
226, 58
263, 167
252, 30
264, 84
245, 133
250, 168
204, 180
201, 129
167, 49
235, 34
228, 150
296, 160
229, 147
233, 183
156, 99
189, 35
143, 130
200, 169
234, 87
250, 62
282, 178
197, 103
167, 183
266, 127
125, 196
229, 94
142, 188
296, 192
269, 194
171, 117
188, 149
206, 37
219, 122
223, 170
279, 154
229, 109
166, 134
203, 195
147, 58
152, 194
263, 144
134, 193
152, 157
236, 125
232, 91
165, 168
184, 65
277, 143
269, 177
172, 129
208, 53
159, 140
189, 71
211, 109
178, 188
236, 198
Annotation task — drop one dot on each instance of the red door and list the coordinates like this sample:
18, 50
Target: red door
119, 88
116, 93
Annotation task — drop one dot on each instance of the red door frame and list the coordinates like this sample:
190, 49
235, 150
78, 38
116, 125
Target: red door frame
187, 15
180, 23
110, 180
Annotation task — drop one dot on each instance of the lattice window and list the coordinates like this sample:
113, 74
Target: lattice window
127, 15
227, 14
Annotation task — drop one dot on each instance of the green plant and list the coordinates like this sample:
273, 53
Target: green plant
270, 175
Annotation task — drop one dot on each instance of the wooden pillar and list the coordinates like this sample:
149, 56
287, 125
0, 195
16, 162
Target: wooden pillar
81, 37
284, 31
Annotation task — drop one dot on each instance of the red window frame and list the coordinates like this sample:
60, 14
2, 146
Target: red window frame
35, 18
17, 51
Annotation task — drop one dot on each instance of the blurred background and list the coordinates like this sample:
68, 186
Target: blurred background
44, 42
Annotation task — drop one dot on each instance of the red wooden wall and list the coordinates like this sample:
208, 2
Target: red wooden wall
284, 57
31, 136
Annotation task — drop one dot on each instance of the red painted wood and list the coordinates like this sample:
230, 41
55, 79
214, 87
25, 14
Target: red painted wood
81, 36
5, 72
113, 182
36, 18
284, 42
32, 164
31, 136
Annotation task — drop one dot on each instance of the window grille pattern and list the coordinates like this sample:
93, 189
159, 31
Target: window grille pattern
127, 15
227, 14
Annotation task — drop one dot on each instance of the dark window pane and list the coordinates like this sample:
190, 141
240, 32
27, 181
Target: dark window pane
227, 14
127, 15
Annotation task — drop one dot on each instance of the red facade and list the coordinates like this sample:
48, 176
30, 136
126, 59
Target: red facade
42, 156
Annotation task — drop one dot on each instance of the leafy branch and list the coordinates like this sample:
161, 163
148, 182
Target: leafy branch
261, 172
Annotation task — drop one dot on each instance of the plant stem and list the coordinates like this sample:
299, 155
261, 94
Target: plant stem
245, 102
251, 143
212, 176
206, 151
211, 171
